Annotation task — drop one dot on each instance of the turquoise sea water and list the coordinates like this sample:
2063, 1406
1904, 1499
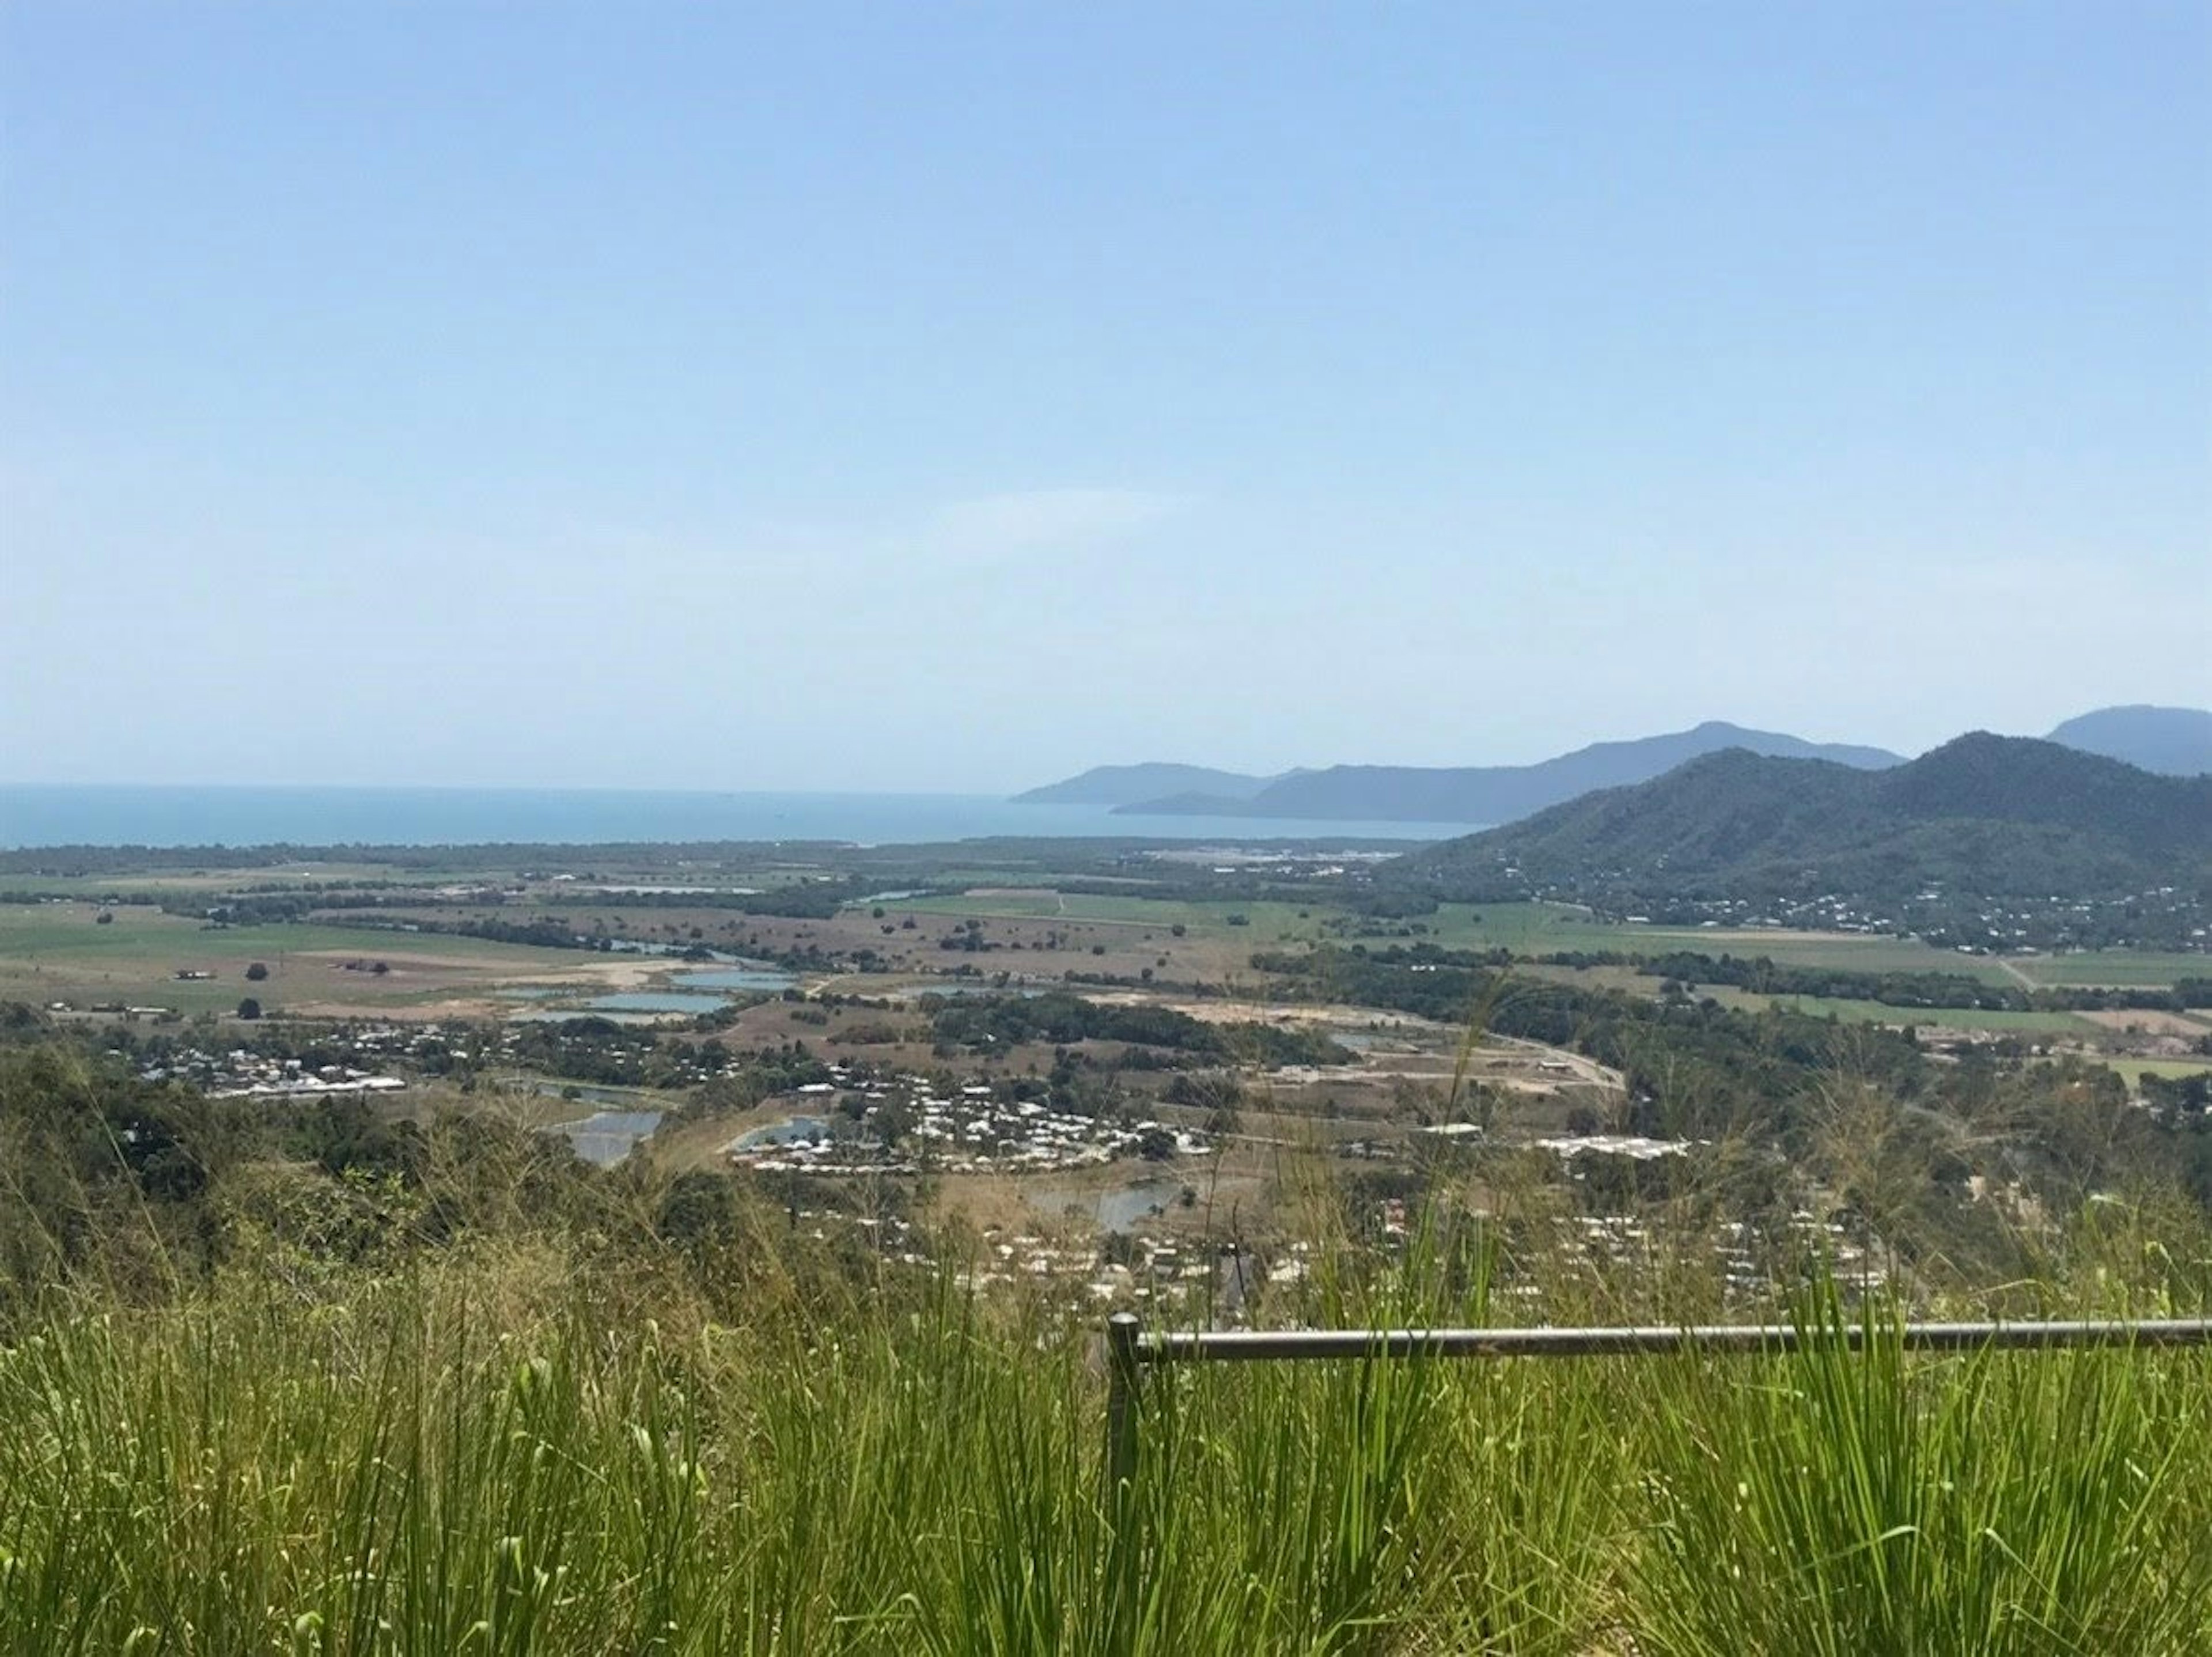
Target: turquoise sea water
57, 815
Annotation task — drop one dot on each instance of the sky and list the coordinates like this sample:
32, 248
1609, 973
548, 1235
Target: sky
951, 398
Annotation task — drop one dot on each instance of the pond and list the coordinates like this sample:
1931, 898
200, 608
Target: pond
591, 1093
656, 1001
745, 976
607, 1137
1115, 1211
1366, 1040
789, 1132
562, 1015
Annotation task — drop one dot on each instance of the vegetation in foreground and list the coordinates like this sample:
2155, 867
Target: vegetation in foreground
494, 1401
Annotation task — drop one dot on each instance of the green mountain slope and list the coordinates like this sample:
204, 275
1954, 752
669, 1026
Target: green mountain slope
1986, 815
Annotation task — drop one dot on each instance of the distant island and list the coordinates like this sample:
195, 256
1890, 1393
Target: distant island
1126, 785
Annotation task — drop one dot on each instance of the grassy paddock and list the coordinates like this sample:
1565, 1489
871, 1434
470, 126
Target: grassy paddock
60, 952
1851, 951
504, 1453
2171, 1070
2131, 969
1877, 1013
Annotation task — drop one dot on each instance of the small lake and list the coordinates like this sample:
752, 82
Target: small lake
656, 1001
771, 980
560, 1016
591, 1093
1366, 1040
607, 1137
793, 1129
1116, 1210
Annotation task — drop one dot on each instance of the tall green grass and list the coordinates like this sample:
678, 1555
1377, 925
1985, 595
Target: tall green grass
495, 1452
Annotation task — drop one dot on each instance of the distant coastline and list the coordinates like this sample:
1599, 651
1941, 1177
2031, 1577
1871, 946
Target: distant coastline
36, 814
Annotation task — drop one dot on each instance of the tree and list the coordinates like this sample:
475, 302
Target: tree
249, 1008
256, 972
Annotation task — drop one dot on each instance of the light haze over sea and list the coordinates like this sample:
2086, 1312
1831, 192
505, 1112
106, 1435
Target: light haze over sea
55, 815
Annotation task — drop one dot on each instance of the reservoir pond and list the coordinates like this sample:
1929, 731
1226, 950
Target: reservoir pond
770, 980
656, 1001
791, 1131
1114, 1210
606, 1137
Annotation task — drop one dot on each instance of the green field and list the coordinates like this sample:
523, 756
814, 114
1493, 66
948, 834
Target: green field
87, 888
2173, 1070
1851, 951
1551, 928
1265, 922
1523, 928
55, 952
1537, 929
1954, 1018
2128, 968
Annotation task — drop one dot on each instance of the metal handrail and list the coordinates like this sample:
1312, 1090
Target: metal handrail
1131, 1349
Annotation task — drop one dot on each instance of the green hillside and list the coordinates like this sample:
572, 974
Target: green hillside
1982, 817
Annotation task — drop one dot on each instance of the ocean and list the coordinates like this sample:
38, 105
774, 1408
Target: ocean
33, 815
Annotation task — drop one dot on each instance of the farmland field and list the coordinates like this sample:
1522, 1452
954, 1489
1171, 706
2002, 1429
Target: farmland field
1551, 928
2131, 967
1525, 928
1262, 921
60, 952
214, 877
1853, 951
1956, 1018
2172, 1070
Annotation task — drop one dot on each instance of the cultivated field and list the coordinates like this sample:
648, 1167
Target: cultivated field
2114, 967
53, 952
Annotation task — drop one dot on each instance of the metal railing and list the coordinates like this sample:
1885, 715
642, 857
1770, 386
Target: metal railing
1131, 1350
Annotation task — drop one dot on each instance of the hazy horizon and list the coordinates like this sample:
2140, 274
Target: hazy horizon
1073, 768
864, 400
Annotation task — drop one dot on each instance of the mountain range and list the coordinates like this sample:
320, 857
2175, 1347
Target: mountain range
2175, 741
1493, 793
1982, 813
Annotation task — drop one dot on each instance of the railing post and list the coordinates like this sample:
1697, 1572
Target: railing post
1123, 1382
1123, 1379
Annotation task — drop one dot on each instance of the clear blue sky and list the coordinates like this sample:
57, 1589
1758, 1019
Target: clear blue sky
954, 397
